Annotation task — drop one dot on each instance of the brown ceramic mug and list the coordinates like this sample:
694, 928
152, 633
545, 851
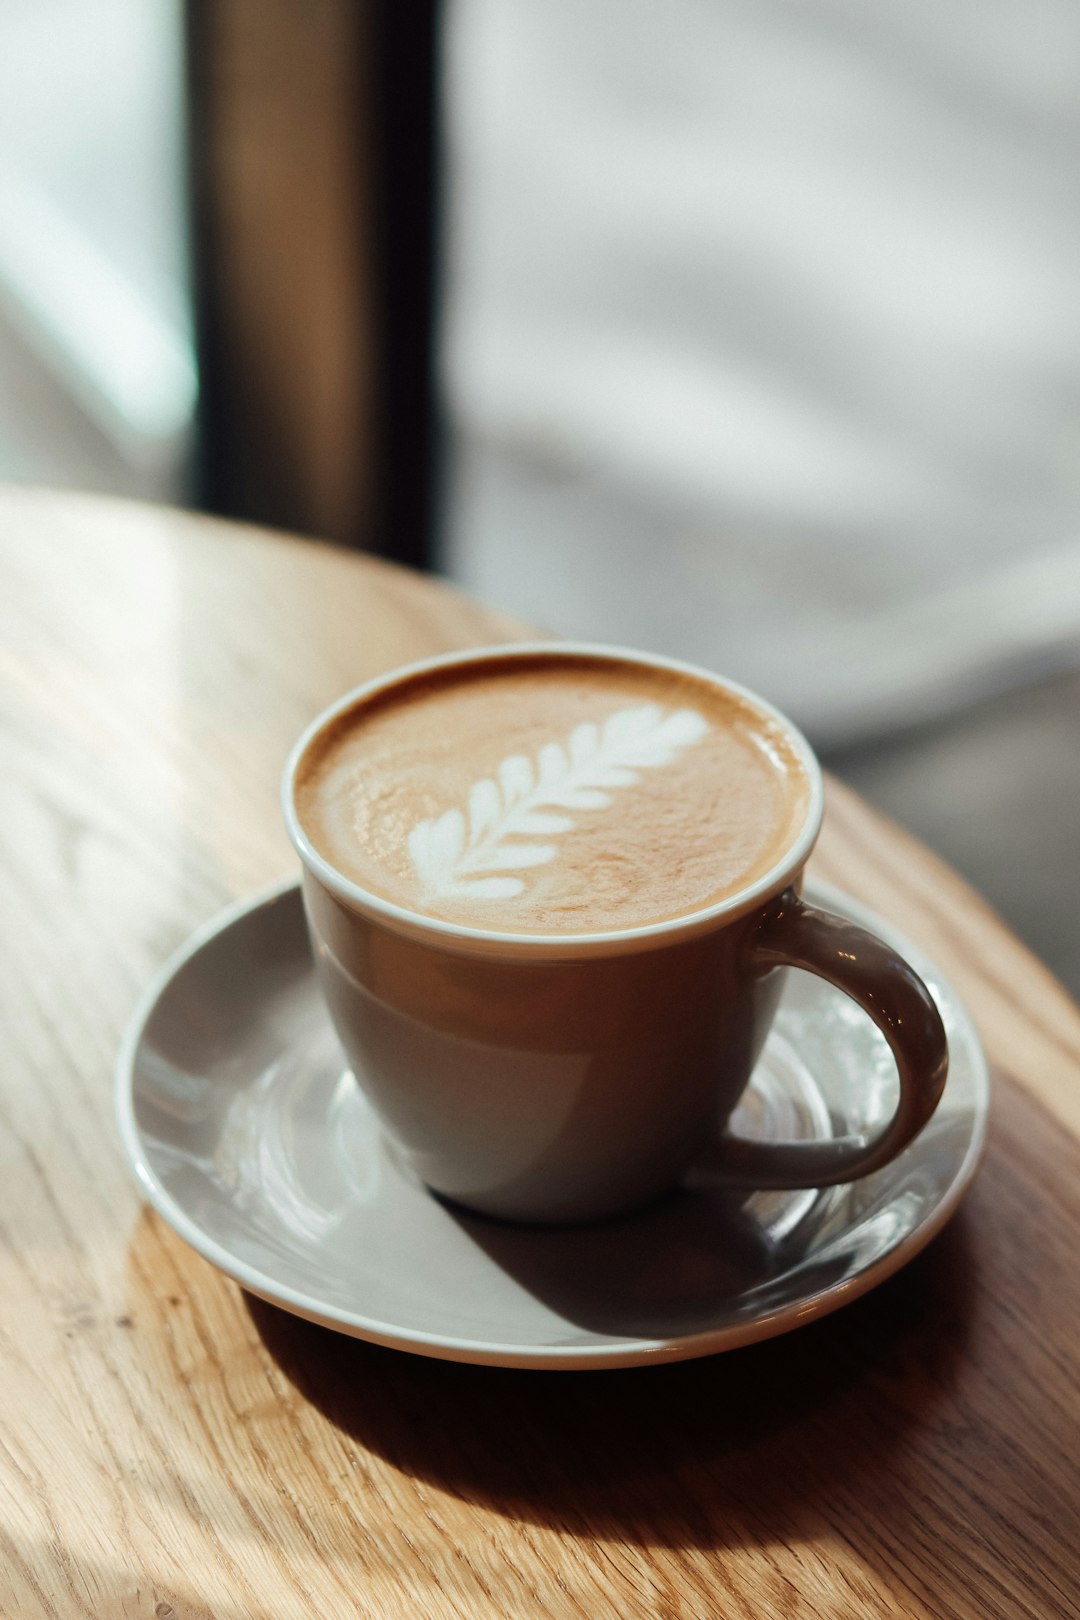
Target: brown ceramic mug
561, 1078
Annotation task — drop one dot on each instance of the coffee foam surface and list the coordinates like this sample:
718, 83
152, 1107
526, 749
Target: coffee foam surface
552, 795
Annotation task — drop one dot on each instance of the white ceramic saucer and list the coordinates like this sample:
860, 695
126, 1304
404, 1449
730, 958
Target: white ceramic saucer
251, 1140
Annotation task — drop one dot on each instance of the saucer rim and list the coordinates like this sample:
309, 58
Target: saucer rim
609, 1352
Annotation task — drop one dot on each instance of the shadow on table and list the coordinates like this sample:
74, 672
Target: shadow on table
737, 1448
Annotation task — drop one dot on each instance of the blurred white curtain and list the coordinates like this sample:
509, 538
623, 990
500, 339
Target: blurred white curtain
763, 336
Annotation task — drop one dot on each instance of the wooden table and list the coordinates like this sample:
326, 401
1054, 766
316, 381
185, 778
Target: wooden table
171, 1448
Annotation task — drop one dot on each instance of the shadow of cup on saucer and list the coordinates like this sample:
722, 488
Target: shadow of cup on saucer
656, 1274
659, 1273
735, 1448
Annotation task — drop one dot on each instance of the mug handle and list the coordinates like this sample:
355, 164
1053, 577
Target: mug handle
892, 994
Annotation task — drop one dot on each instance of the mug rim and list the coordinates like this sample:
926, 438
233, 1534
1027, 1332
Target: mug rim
356, 897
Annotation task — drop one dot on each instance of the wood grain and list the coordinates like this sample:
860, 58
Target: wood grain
172, 1448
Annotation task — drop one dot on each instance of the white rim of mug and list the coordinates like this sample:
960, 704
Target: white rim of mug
355, 896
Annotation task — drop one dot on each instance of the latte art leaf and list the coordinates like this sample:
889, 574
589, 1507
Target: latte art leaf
451, 853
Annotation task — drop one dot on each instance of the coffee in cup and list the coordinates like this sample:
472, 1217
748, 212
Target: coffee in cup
569, 795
